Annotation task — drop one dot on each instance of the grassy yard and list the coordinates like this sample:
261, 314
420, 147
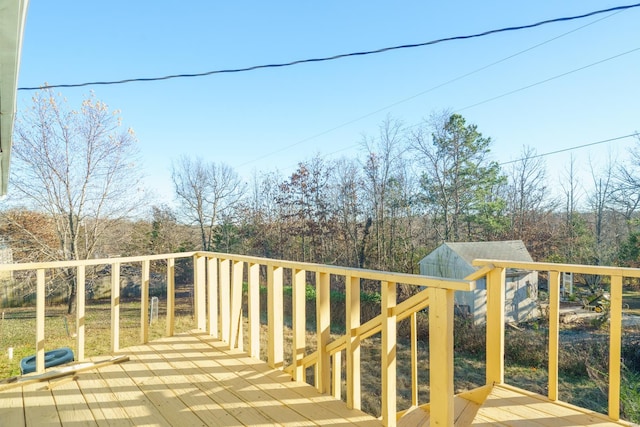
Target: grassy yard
18, 326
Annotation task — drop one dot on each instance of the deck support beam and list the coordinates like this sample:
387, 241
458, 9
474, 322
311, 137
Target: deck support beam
80, 311
212, 290
225, 299
299, 322
495, 325
115, 307
389, 349
554, 333
615, 340
254, 309
171, 296
199, 297
275, 319
323, 319
354, 399
441, 356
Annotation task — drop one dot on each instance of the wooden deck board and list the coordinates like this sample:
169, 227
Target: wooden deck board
186, 380
511, 406
12, 410
104, 404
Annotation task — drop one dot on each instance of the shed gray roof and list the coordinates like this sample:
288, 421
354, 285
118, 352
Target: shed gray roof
510, 250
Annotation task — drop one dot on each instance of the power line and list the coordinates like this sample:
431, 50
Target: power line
548, 80
502, 96
575, 147
339, 56
431, 89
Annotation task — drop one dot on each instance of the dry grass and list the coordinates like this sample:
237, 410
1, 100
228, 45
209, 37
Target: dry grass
18, 325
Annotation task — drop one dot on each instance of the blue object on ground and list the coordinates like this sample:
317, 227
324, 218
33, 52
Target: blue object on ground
51, 358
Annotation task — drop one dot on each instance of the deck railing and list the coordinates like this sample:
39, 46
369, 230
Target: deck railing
220, 281
494, 271
218, 309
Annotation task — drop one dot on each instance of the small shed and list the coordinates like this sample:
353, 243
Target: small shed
453, 260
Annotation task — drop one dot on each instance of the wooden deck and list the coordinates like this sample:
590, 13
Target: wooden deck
185, 380
503, 405
194, 380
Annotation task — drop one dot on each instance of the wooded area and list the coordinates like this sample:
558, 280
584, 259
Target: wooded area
77, 194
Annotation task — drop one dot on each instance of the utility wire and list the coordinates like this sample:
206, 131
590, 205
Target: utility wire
575, 147
340, 56
431, 89
515, 91
548, 80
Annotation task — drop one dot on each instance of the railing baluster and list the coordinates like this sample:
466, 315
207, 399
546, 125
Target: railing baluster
225, 299
199, 289
323, 319
144, 302
389, 361
115, 307
414, 359
212, 286
299, 321
441, 356
495, 325
554, 332
236, 304
336, 377
171, 296
615, 342
275, 316
40, 316
80, 308
254, 310
354, 399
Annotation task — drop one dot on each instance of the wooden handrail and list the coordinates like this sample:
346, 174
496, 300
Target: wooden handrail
218, 298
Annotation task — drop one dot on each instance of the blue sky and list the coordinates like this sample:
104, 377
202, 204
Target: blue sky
267, 119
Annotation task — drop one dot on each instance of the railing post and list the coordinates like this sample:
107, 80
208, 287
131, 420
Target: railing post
495, 326
389, 343
80, 308
323, 324
414, 359
225, 299
354, 398
212, 285
254, 310
115, 307
171, 295
554, 333
40, 315
236, 305
144, 302
275, 316
441, 356
615, 343
299, 322
199, 289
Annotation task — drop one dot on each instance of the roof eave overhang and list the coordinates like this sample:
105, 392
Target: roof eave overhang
13, 14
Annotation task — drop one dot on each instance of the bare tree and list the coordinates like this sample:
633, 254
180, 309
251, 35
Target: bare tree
383, 157
626, 191
79, 167
207, 192
529, 204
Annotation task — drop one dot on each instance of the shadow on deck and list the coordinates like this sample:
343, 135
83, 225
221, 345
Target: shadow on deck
189, 380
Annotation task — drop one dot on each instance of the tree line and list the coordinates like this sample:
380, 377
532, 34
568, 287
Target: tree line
77, 194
